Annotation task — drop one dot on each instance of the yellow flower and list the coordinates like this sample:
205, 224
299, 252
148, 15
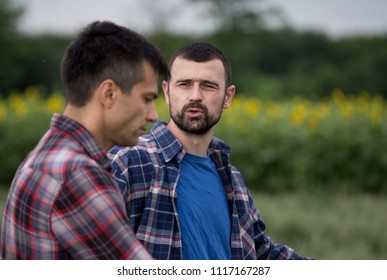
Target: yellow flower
252, 107
55, 103
376, 110
299, 113
346, 109
363, 101
318, 114
18, 105
3, 111
338, 96
273, 110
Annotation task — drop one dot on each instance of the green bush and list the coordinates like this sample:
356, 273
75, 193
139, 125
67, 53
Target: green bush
24, 118
333, 145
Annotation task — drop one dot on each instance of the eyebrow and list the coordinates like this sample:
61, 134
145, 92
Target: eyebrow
197, 80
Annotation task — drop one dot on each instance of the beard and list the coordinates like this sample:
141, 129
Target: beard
195, 125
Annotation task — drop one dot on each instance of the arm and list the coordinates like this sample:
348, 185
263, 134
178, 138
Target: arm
89, 218
134, 173
264, 246
254, 228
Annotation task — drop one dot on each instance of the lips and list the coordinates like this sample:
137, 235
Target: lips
194, 109
194, 112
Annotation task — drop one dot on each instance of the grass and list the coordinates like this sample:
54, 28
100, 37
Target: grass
327, 227
333, 227
3, 197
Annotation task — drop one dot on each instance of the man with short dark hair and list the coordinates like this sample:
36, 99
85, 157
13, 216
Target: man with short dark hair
63, 202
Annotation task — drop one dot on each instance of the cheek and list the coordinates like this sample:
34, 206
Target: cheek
133, 116
215, 104
174, 108
133, 109
177, 102
123, 117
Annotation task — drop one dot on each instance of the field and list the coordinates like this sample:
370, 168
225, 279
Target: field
317, 168
327, 227
324, 227
332, 145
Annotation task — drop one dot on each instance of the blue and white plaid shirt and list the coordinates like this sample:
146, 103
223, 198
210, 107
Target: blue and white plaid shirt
148, 175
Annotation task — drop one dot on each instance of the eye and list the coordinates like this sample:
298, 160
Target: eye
149, 99
183, 84
211, 86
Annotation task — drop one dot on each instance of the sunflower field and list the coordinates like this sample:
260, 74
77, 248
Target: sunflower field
336, 144
333, 145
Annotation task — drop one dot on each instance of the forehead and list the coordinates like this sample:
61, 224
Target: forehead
188, 69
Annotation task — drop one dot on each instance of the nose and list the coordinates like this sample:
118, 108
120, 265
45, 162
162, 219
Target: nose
152, 115
196, 93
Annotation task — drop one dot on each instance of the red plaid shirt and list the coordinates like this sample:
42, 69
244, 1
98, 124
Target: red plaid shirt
65, 204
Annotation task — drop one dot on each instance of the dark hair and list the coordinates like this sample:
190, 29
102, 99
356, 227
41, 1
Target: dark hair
202, 52
104, 50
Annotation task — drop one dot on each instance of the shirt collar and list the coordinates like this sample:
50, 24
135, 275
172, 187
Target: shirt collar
168, 143
171, 147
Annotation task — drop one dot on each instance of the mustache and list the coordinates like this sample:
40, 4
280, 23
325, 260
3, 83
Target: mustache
194, 105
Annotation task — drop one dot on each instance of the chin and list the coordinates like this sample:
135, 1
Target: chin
129, 142
132, 143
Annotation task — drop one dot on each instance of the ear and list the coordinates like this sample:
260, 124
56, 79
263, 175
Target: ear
165, 86
107, 93
229, 96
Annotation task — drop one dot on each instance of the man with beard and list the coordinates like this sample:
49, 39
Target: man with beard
184, 198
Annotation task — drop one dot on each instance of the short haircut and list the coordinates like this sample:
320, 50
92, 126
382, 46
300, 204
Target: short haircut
104, 50
202, 52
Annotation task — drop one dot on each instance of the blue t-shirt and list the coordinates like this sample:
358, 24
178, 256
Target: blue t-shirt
203, 210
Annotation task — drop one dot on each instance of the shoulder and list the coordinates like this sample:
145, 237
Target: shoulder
90, 176
241, 191
123, 157
59, 152
146, 143
238, 181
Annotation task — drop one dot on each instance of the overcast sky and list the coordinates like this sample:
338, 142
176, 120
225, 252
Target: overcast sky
335, 17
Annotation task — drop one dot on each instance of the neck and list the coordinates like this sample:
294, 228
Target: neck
192, 143
89, 118
76, 113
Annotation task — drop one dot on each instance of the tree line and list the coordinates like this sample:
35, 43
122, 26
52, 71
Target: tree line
267, 62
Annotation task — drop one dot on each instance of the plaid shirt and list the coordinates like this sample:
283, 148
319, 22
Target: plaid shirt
148, 174
64, 202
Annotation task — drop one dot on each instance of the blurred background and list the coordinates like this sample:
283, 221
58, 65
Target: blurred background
277, 48
308, 127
